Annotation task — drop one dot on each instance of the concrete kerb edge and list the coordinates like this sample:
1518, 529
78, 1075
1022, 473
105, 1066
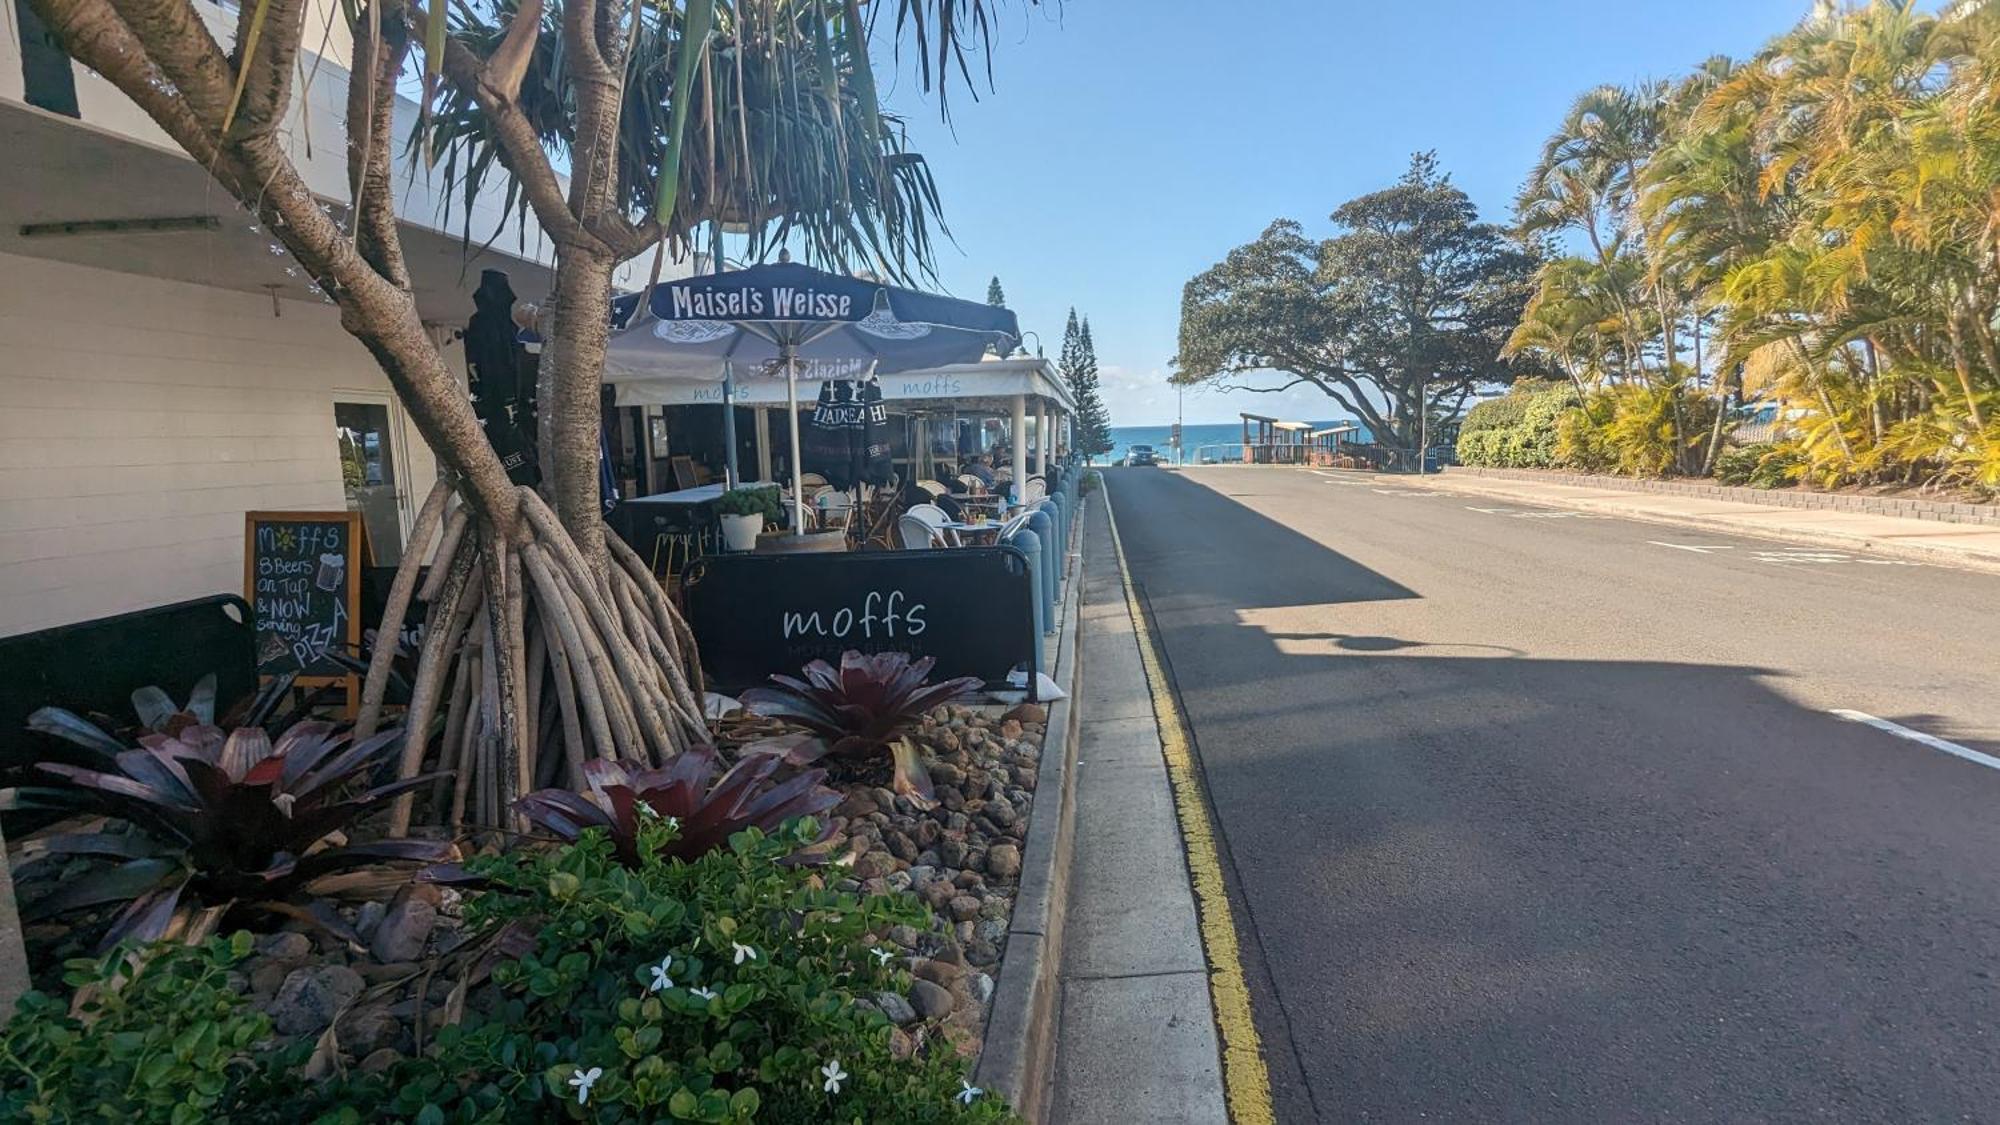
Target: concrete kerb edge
1018, 1059
1963, 560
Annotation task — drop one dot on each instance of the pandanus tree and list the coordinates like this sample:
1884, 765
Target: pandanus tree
623, 130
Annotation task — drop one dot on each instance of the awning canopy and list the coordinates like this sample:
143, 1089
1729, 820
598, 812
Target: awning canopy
1341, 429
989, 385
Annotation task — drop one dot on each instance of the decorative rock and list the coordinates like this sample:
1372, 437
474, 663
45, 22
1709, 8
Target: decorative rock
905, 936
368, 918
1026, 776
937, 972
979, 951
1010, 729
923, 873
406, 928
874, 865
1028, 713
884, 800
899, 881
944, 773
1000, 811
307, 1000
896, 1008
902, 1045
380, 1060
964, 908
901, 846
937, 895
857, 804
287, 946
932, 1001
951, 852
369, 1029
992, 931
1003, 861
982, 987
968, 880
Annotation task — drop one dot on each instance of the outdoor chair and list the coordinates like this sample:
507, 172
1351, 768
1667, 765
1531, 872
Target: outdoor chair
971, 483
933, 487
835, 509
916, 534
1034, 490
935, 518
810, 481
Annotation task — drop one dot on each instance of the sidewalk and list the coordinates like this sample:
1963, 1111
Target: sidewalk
1136, 1038
1970, 546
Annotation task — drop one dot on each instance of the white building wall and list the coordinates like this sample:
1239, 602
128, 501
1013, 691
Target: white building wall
139, 420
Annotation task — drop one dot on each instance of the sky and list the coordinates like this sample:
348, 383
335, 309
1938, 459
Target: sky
1127, 145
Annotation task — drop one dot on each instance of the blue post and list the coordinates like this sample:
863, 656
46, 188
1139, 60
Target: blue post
1031, 546
1044, 527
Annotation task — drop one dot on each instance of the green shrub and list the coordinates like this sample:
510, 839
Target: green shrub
718, 990
1763, 465
1516, 431
155, 1034
764, 501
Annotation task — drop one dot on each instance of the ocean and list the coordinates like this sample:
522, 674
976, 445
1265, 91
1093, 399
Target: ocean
1193, 437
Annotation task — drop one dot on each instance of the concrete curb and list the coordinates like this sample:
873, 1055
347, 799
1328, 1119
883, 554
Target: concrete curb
1937, 556
1900, 507
1018, 1060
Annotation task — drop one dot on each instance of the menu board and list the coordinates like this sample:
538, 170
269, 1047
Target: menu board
302, 576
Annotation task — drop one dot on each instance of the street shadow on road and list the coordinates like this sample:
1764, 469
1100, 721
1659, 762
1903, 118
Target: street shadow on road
1210, 536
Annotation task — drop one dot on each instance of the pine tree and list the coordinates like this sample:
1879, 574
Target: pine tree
996, 296
1079, 367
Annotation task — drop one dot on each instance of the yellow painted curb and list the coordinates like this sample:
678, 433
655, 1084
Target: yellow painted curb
1246, 1083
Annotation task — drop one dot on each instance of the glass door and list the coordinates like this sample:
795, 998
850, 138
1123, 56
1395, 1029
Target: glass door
368, 471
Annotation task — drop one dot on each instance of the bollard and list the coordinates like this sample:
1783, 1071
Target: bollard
1030, 545
1043, 525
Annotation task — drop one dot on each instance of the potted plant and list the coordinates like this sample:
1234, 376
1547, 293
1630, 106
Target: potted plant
743, 512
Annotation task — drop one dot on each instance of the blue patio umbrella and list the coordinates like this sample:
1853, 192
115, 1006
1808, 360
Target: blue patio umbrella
792, 321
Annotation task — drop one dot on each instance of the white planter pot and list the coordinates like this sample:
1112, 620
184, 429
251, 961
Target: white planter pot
739, 533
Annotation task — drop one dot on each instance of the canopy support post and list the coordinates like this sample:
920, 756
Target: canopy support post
1041, 437
730, 477
792, 420
763, 443
1019, 445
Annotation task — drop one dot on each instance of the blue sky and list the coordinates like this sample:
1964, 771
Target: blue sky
1129, 144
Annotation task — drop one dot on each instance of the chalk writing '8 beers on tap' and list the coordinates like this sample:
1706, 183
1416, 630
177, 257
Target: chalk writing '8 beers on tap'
294, 558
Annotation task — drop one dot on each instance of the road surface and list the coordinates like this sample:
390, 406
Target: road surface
1539, 817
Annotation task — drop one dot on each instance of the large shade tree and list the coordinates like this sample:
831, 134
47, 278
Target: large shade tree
1410, 301
623, 130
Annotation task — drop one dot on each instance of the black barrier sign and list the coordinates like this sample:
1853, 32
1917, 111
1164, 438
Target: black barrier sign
970, 608
302, 576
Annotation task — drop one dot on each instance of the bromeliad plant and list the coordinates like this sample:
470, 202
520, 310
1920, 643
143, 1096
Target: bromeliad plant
218, 820
863, 710
703, 815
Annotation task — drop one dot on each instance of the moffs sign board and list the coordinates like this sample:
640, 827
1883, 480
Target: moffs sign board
969, 608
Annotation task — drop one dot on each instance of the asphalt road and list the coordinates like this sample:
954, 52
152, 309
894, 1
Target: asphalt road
1535, 817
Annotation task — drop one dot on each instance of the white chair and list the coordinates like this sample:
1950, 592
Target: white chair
1035, 489
916, 534
933, 488
1013, 525
934, 518
971, 483
810, 481
835, 509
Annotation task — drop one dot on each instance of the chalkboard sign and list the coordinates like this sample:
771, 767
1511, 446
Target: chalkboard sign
302, 574
969, 607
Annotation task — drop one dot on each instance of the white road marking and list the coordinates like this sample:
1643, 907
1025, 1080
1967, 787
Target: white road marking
1697, 548
1930, 740
1489, 511
1388, 492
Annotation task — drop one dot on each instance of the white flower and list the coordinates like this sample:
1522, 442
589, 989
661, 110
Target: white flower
834, 1076
583, 1080
967, 1092
661, 978
882, 955
743, 952
704, 993
674, 822
648, 811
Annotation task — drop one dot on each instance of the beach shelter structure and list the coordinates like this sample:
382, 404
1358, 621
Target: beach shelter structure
786, 322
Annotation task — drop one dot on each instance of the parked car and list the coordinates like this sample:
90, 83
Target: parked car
1141, 455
